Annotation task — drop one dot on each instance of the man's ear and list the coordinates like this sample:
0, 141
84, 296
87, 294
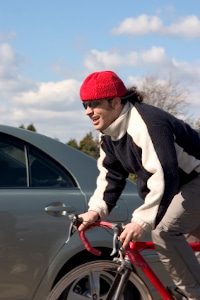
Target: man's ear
116, 102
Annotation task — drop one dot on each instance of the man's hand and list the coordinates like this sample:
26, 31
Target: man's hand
88, 218
132, 231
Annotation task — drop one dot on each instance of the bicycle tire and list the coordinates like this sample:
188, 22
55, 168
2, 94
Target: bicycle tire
92, 281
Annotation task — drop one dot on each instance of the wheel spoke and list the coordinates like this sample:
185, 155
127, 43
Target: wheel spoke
94, 282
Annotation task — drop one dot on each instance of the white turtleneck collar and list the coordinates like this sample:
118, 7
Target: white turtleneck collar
118, 128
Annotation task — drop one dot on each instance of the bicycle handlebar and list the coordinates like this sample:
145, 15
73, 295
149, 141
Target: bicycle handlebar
117, 229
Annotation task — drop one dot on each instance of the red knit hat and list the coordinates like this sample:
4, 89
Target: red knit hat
101, 85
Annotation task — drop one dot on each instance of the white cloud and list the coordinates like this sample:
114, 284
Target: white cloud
141, 25
54, 95
97, 60
8, 61
7, 55
155, 55
187, 27
11, 81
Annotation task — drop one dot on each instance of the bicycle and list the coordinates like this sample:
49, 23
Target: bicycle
111, 280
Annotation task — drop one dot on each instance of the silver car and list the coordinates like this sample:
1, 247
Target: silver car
42, 181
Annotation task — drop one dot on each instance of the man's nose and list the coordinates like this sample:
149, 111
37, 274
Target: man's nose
88, 110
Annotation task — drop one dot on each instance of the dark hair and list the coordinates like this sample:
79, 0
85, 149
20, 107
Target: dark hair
132, 95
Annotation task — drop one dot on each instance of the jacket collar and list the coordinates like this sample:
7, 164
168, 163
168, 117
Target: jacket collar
118, 128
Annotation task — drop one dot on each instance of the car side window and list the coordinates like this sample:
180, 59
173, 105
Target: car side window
44, 172
12, 164
26, 166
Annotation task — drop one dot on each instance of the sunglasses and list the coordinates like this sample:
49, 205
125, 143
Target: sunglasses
93, 103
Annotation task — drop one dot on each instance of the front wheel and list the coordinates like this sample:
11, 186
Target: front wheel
92, 281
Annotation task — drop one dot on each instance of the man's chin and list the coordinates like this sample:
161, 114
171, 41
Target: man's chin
97, 127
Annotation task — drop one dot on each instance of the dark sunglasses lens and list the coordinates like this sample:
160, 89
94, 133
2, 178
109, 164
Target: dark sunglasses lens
94, 103
85, 104
91, 104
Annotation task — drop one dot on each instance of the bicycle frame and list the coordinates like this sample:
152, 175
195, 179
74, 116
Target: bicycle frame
133, 254
137, 259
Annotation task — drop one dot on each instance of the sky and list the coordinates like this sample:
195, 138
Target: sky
48, 47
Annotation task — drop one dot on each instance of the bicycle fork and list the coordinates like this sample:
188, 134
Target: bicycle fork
121, 279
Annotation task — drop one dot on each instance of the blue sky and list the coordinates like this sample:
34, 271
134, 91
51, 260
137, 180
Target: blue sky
47, 48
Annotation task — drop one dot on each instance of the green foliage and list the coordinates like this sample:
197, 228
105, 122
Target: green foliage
30, 127
73, 143
132, 177
89, 145
22, 126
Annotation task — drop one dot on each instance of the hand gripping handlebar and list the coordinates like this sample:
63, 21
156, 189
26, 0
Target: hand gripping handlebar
117, 229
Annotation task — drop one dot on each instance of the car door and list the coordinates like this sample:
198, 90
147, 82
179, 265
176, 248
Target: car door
36, 193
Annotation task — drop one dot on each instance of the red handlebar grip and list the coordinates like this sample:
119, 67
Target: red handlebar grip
87, 244
85, 240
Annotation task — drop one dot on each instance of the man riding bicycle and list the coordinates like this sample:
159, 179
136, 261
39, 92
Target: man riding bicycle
164, 153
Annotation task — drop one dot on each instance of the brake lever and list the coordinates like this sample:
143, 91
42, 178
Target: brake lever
75, 221
117, 230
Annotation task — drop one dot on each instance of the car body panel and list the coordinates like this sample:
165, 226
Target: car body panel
30, 236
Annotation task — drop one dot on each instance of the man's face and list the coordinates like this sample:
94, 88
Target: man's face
106, 112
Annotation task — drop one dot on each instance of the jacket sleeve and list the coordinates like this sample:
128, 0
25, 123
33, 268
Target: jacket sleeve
110, 182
